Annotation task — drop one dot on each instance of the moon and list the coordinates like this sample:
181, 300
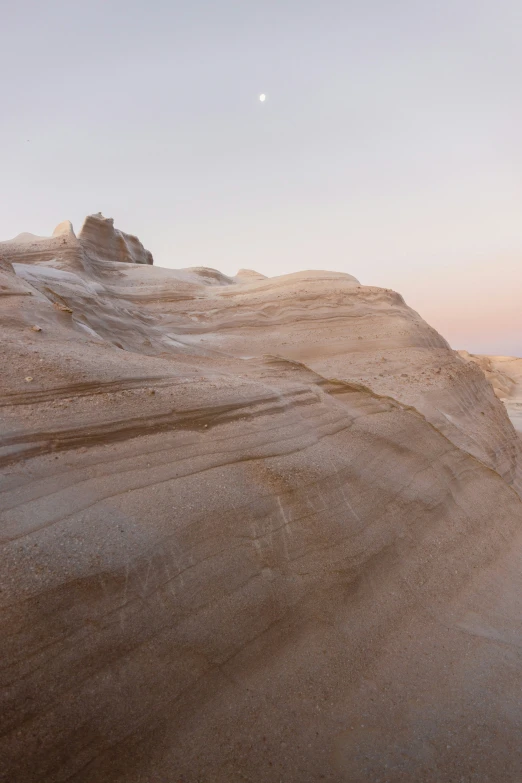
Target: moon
262, 97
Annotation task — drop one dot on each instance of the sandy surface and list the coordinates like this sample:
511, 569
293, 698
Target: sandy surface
252, 529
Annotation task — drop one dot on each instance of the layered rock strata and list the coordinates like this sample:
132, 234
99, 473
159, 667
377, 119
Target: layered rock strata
251, 529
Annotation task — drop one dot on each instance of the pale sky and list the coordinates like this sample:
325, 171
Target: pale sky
389, 145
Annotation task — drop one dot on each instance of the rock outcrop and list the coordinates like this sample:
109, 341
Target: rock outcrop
103, 242
251, 529
64, 229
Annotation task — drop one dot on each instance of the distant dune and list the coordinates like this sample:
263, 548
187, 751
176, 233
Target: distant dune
253, 529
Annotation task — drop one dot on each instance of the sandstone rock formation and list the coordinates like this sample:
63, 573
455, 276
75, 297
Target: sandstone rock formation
505, 375
105, 243
64, 229
252, 529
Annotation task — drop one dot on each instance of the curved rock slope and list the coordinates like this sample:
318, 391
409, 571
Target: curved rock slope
505, 375
347, 331
219, 564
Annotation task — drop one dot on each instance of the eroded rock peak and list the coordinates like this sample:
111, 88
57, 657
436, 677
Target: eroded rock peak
106, 243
